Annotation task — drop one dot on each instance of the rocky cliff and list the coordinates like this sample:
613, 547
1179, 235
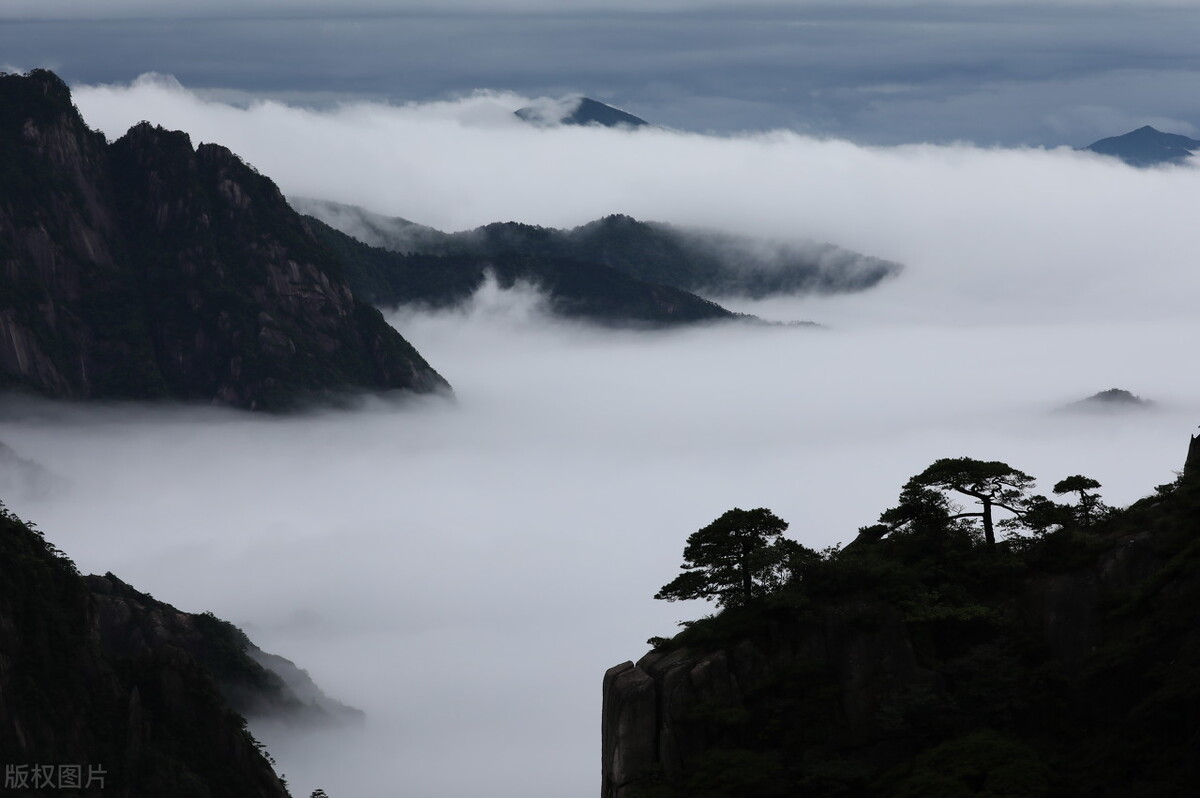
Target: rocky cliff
1065, 666
147, 268
254, 683
98, 697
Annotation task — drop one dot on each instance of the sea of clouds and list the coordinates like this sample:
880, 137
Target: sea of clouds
465, 570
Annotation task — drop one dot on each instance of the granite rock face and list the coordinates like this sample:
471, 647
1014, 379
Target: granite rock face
148, 269
665, 714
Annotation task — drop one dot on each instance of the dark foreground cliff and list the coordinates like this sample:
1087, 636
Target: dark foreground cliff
925, 664
253, 682
147, 269
100, 683
148, 722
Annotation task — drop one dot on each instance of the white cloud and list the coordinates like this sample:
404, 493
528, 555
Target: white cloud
466, 570
1043, 234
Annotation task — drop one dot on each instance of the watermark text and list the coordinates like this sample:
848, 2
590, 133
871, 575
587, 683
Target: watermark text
54, 777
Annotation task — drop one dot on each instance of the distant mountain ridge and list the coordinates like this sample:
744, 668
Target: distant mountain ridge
1147, 147
580, 111
574, 289
703, 263
1113, 400
149, 269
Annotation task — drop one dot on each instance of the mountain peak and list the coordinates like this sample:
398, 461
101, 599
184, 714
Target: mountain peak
1147, 146
1112, 400
153, 270
577, 111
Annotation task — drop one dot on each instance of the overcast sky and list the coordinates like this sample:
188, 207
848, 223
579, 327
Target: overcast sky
1005, 72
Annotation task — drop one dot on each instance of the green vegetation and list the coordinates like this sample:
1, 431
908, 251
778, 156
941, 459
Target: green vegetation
1089, 503
991, 483
733, 559
153, 719
925, 659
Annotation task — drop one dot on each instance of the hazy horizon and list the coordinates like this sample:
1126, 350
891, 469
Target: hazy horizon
881, 72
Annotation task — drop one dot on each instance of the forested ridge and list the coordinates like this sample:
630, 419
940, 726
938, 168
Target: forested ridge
1046, 647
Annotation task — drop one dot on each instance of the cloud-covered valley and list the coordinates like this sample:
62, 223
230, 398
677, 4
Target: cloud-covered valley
464, 570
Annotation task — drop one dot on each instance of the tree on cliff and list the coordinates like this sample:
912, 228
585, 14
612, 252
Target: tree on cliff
735, 558
1089, 503
990, 482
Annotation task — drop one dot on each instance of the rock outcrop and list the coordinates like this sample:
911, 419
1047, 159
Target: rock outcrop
148, 269
668, 713
1066, 668
1191, 466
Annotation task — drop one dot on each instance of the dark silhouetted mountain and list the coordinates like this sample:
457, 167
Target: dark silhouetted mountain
386, 232
584, 111
927, 663
1147, 147
147, 269
720, 264
1112, 400
574, 289
696, 261
255, 683
137, 694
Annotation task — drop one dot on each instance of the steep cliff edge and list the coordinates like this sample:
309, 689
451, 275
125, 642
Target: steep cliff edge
150, 720
255, 683
1063, 666
148, 269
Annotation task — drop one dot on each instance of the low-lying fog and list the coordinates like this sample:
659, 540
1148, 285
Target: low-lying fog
466, 570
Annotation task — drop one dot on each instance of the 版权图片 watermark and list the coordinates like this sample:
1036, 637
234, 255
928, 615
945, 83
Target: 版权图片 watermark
54, 777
